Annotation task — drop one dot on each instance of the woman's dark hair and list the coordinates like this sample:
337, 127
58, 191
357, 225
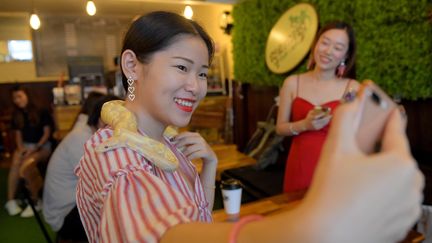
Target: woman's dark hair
90, 102
94, 114
157, 30
350, 71
31, 109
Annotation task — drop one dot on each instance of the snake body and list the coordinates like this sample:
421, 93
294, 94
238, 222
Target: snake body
126, 134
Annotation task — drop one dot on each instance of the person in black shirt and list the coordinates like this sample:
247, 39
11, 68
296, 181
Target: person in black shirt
32, 129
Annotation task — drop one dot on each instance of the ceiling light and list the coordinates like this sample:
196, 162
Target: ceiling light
188, 12
91, 8
35, 21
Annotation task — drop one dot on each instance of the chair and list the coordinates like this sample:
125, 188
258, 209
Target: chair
31, 175
37, 216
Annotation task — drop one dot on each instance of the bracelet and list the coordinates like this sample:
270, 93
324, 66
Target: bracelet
233, 234
292, 130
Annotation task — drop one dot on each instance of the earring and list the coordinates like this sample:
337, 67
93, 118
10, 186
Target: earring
131, 88
341, 69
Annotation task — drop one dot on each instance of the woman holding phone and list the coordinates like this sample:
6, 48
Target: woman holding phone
308, 99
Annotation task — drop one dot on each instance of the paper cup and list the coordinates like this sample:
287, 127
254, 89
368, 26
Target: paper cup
231, 194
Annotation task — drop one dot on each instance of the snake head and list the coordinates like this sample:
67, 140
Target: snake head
154, 151
110, 144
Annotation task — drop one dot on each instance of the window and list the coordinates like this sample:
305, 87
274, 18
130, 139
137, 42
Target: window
20, 50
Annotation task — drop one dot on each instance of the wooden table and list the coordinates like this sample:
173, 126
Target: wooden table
64, 117
267, 206
288, 201
229, 157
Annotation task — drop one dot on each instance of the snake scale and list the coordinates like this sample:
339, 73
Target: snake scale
126, 134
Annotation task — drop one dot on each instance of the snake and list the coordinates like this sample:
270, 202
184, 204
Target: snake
126, 135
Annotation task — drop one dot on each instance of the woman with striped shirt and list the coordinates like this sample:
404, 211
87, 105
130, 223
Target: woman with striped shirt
137, 184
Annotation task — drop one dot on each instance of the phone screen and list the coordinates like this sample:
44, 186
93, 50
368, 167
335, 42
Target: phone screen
321, 111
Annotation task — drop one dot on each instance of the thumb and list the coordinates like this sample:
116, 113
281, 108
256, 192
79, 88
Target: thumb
394, 138
344, 126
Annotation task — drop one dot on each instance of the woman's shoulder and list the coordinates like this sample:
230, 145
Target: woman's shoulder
352, 84
291, 82
100, 136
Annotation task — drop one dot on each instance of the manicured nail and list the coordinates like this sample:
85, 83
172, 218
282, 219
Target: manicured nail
349, 96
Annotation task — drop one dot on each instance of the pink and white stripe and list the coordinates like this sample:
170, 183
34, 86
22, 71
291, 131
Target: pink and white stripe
122, 197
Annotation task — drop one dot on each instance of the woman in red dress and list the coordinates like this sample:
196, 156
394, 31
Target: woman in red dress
307, 100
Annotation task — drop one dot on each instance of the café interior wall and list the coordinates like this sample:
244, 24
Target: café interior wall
211, 22
15, 27
207, 15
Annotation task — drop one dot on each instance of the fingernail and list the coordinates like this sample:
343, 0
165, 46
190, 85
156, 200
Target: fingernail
349, 96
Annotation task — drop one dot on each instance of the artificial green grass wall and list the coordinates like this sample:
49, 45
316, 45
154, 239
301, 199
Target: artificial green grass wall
394, 41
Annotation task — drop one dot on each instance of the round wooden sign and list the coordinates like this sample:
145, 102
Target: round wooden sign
291, 37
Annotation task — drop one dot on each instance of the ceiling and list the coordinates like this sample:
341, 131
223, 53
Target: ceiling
104, 7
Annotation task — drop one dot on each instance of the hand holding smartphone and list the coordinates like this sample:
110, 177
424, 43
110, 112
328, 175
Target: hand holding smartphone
321, 111
374, 115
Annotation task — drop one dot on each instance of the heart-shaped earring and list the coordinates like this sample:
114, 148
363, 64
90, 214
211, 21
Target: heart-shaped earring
131, 97
131, 89
130, 81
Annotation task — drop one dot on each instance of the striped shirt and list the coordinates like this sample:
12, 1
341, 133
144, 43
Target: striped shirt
122, 197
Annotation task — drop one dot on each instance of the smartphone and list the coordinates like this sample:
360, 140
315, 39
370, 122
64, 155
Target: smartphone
321, 111
376, 110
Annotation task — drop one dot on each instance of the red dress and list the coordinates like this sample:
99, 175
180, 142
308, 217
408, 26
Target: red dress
305, 147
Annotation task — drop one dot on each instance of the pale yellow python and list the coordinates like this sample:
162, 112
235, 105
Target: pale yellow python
126, 134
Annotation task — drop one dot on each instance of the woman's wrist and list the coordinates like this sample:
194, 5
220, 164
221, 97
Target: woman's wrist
209, 167
292, 130
211, 161
305, 125
297, 127
235, 230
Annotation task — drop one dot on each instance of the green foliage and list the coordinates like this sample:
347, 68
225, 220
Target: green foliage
394, 40
395, 46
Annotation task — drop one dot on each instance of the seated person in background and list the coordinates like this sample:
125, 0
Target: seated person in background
138, 185
59, 206
33, 129
86, 108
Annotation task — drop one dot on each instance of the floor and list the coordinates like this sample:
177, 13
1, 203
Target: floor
14, 228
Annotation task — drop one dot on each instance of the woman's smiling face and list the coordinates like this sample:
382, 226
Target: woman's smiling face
20, 98
172, 82
331, 49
